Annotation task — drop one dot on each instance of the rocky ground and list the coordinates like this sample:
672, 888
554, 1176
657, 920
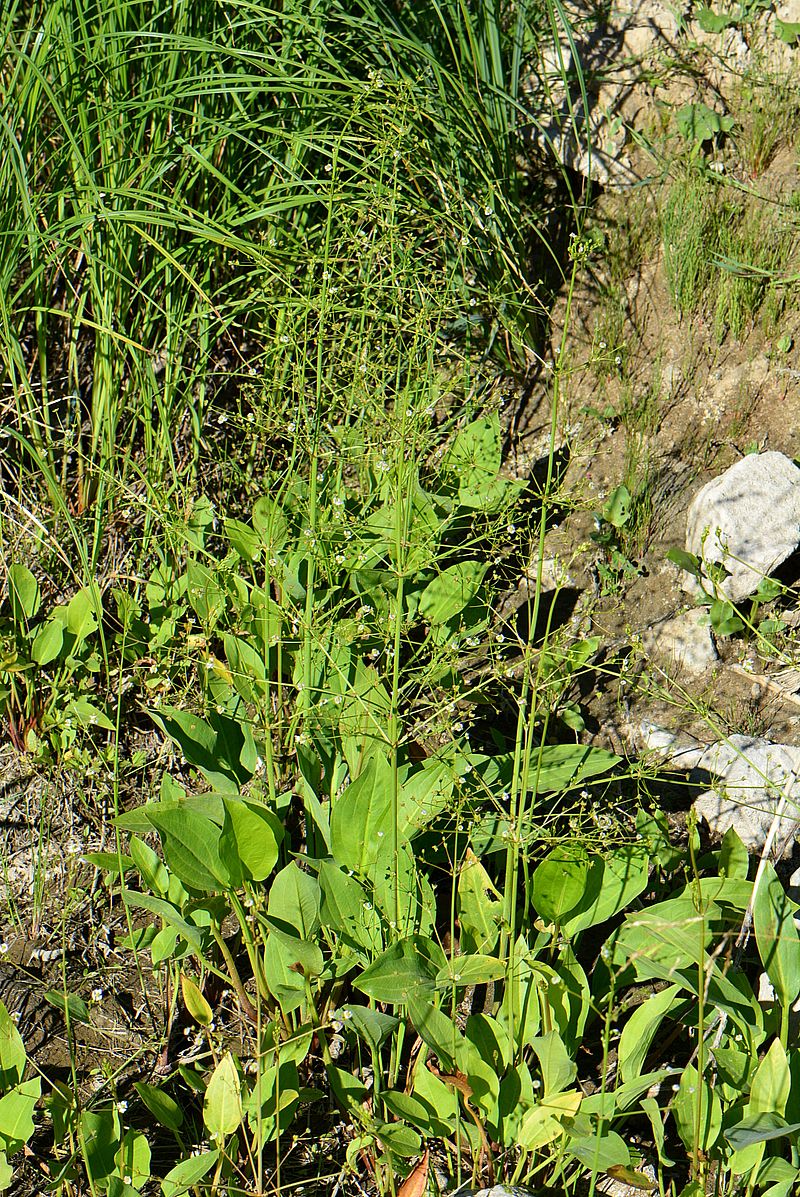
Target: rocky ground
663, 400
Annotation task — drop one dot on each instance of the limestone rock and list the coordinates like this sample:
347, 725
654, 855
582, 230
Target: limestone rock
751, 774
504, 1191
623, 48
749, 518
684, 644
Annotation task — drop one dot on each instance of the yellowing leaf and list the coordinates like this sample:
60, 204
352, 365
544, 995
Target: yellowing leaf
222, 1104
544, 1122
195, 1003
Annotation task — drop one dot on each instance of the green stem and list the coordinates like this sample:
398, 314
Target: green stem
248, 1009
523, 748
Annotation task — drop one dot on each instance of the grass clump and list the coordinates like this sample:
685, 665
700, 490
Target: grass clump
690, 225
173, 176
723, 255
752, 250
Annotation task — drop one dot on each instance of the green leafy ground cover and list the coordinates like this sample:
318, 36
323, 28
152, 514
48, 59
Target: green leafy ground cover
266, 292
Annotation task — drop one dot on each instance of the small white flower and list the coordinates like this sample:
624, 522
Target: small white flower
121, 1108
3, 948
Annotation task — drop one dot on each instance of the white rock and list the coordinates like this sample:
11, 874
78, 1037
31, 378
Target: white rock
684, 644
749, 518
619, 54
503, 1191
751, 777
681, 751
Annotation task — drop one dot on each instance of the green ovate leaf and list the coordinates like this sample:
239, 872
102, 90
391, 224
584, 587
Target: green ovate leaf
561, 766
83, 613
294, 899
714, 22
16, 1114
24, 595
474, 460
47, 644
100, 1132
480, 906
699, 123
694, 1091
196, 1005
133, 1157
270, 524
559, 883
188, 1173
760, 1128
163, 1107
788, 31
71, 1006
222, 748
600, 1153
361, 820
612, 883
776, 936
250, 838
617, 510
191, 846
407, 969
244, 540
451, 591
12, 1051
640, 1030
